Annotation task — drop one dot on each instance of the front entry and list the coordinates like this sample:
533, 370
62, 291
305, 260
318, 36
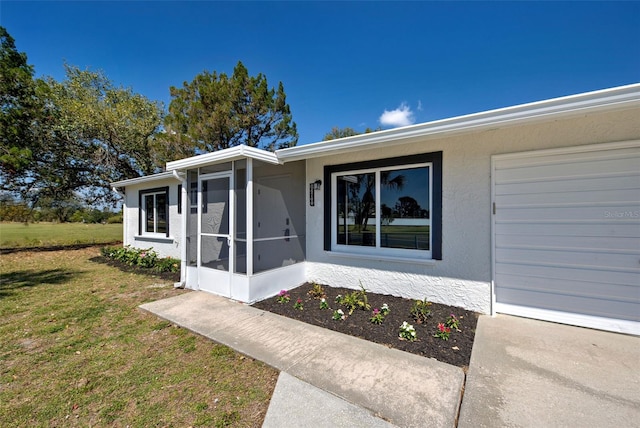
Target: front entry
215, 243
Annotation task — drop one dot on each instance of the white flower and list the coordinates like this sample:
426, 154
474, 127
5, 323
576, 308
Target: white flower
340, 312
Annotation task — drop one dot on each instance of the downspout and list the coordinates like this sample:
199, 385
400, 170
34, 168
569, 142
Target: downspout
182, 177
124, 213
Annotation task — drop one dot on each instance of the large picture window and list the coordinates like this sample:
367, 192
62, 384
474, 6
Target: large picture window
386, 207
154, 212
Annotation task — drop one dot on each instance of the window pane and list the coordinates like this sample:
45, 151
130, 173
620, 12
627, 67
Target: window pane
404, 208
148, 209
161, 211
356, 207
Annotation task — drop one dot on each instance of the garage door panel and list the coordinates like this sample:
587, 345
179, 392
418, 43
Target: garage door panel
607, 213
627, 229
571, 287
579, 259
611, 181
567, 234
566, 273
558, 241
598, 197
578, 305
533, 159
568, 170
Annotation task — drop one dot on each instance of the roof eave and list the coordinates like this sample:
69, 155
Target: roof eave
619, 98
144, 179
226, 155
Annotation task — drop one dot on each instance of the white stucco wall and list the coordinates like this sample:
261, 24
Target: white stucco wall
166, 247
463, 276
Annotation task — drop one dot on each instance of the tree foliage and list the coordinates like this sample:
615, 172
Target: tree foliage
215, 112
18, 108
346, 132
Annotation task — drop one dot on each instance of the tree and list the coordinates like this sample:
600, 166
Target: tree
89, 134
346, 132
215, 112
18, 109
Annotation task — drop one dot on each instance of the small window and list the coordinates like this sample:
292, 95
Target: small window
154, 212
389, 207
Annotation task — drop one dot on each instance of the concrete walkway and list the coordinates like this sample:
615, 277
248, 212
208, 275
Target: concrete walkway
368, 380
528, 373
523, 373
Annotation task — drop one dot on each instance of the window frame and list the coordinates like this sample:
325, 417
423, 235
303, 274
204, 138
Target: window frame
331, 172
142, 211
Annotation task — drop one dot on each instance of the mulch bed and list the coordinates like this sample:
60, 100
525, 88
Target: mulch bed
455, 351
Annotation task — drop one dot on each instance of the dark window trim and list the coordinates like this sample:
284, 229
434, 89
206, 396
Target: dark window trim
434, 158
141, 194
179, 198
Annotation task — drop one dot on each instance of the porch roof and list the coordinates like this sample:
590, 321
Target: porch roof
145, 179
226, 155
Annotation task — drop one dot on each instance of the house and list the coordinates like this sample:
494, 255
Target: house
531, 210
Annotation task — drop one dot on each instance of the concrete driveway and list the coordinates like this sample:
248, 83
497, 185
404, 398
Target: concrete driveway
528, 373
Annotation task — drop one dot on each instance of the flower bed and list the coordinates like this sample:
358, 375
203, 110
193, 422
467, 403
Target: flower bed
442, 332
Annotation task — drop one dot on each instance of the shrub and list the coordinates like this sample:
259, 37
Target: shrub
143, 257
317, 291
420, 311
356, 300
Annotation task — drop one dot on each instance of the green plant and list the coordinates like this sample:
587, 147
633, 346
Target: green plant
356, 300
407, 332
384, 310
420, 311
298, 305
317, 291
443, 332
324, 304
338, 315
453, 322
283, 296
167, 264
377, 317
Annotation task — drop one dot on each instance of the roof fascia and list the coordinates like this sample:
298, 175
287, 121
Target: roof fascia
225, 155
618, 98
145, 179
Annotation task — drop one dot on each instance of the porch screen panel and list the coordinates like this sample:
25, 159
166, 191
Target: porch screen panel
279, 215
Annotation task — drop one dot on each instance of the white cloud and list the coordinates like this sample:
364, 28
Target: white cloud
419, 108
402, 116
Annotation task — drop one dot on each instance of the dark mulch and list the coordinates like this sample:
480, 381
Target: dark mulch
455, 351
166, 276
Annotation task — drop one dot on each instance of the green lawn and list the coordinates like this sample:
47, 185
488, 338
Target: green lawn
52, 234
75, 350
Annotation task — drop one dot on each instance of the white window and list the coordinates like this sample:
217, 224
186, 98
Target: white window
383, 211
154, 212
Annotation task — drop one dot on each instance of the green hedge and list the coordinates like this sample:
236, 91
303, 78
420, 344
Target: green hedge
146, 258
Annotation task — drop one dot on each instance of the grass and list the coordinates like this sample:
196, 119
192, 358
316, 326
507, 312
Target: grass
14, 235
76, 351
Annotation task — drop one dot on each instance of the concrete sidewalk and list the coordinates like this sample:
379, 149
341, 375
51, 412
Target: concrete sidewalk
523, 373
529, 373
401, 388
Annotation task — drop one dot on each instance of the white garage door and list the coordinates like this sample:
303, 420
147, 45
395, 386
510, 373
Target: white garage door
566, 230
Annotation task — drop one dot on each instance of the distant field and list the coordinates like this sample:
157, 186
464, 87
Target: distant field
14, 235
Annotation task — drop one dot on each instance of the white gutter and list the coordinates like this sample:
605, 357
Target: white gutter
623, 97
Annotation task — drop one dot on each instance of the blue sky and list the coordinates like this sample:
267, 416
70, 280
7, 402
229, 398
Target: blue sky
355, 64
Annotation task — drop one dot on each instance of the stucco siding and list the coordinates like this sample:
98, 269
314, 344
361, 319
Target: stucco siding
166, 247
463, 276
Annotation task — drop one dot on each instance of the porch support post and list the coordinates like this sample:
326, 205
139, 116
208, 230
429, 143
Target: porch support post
186, 211
249, 228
